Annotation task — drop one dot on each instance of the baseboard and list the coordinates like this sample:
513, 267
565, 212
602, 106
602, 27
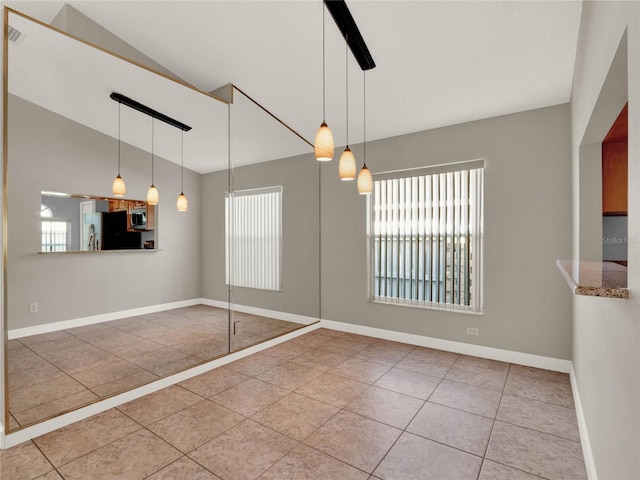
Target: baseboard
9, 440
527, 359
587, 453
262, 312
105, 317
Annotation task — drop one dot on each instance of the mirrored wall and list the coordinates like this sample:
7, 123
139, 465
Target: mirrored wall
86, 318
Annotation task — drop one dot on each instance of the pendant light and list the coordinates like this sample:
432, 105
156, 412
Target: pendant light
365, 181
323, 145
118, 187
182, 202
347, 166
152, 193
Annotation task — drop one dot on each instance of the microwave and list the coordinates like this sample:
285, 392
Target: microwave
139, 219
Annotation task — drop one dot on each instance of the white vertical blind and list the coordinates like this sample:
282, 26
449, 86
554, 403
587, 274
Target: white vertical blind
254, 238
426, 236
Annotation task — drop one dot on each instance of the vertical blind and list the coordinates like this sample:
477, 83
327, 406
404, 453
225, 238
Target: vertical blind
254, 238
426, 236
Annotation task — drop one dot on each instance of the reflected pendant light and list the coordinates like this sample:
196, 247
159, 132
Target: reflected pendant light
323, 145
152, 193
347, 166
365, 180
182, 202
118, 187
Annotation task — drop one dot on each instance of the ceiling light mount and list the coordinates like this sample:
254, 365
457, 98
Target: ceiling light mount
347, 26
148, 111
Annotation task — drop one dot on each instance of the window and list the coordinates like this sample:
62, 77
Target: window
55, 231
426, 228
254, 238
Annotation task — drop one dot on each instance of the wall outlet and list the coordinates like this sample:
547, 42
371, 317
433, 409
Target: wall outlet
473, 331
33, 307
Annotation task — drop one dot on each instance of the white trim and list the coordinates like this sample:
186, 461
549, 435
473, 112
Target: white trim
12, 439
585, 441
261, 312
105, 317
527, 359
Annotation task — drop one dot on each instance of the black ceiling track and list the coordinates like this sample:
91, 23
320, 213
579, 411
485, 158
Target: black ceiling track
148, 111
347, 26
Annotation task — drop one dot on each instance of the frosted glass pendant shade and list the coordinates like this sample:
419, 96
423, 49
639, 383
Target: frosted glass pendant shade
182, 203
347, 166
365, 181
152, 195
119, 188
323, 146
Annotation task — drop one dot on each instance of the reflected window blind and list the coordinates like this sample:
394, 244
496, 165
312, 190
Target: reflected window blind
254, 238
55, 234
426, 229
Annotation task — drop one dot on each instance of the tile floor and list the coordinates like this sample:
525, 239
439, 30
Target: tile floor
56, 372
327, 405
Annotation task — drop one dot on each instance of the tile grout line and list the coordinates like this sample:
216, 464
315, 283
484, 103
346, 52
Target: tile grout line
486, 448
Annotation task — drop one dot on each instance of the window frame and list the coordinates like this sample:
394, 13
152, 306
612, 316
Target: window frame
477, 267
46, 216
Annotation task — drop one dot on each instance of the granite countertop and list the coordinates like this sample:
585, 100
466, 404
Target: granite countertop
596, 279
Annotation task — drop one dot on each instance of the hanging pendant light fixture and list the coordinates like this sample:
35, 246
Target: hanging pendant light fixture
347, 166
118, 187
152, 194
323, 145
365, 180
182, 202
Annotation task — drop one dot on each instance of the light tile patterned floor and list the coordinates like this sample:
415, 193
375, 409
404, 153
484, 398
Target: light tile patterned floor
58, 371
327, 405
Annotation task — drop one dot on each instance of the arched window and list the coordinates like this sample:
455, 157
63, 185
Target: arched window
45, 211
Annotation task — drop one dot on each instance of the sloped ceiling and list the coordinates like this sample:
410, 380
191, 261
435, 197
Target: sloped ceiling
438, 63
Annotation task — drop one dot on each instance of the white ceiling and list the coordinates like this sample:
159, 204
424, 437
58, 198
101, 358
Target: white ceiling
438, 63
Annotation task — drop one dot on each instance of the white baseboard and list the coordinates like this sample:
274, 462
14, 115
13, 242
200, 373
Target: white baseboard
538, 361
105, 317
9, 440
262, 312
587, 453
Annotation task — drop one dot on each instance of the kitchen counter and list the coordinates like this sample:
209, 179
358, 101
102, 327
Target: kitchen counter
596, 279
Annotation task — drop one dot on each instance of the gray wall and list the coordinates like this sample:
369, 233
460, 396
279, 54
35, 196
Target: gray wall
606, 332
48, 152
527, 219
299, 177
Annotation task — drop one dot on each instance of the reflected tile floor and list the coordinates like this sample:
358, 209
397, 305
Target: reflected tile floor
55, 372
326, 405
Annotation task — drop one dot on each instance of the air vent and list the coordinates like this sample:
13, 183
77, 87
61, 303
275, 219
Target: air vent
15, 36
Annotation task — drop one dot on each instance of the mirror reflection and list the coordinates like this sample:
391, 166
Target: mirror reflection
267, 255
85, 223
84, 327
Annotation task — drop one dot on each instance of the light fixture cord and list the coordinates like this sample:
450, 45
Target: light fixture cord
364, 114
324, 100
182, 161
152, 142
119, 109
346, 61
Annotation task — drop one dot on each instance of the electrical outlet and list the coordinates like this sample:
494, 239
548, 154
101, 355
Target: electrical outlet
33, 307
473, 331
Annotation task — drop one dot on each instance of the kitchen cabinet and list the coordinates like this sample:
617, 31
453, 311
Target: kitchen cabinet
151, 217
615, 167
121, 205
614, 178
